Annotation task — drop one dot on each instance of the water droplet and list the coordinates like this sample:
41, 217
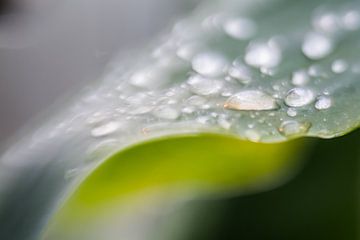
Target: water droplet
251, 100
294, 128
241, 73
300, 78
209, 64
298, 97
291, 112
166, 112
204, 86
105, 129
252, 135
263, 55
323, 102
326, 22
196, 101
317, 46
188, 110
187, 52
339, 66
224, 123
351, 20
240, 28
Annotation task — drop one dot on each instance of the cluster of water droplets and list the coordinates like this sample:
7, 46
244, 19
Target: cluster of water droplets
220, 73
190, 84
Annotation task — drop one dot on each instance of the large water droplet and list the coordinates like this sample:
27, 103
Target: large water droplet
298, 97
240, 28
204, 86
294, 128
266, 55
209, 64
251, 100
317, 45
323, 102
240, 73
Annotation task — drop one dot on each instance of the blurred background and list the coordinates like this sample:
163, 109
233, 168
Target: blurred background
49, 47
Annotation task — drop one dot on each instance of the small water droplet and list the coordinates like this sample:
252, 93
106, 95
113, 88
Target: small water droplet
291, 112
188, 110
323, 102
240, 28
209, 64
105, 129
196, 101
263, 55
351, 20
339, 66
240, 73
251, 100
294, 128
300, 78
166, 112
204, 86
252, 135
298, 97
326, 22
317, 46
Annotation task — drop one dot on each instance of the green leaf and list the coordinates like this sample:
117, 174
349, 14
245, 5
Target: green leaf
180, 167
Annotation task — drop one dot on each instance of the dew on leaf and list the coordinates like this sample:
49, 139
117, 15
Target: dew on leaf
339, 66
251, 100
317, 46
300, 78
209, 64
351, 20
323, 102
166, 112
294, 128
204, 86
264, 55
291, 112
299, 97
240, 73
240, 28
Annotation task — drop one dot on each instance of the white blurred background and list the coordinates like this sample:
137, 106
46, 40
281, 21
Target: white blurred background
49, 47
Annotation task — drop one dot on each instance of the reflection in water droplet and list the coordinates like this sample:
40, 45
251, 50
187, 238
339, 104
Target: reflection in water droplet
323, 102
264, 55
240, 28
209, 64
105, 129
300, 78
339, 66
204, 86
298, 97
251, 100
317, 46
294, 128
